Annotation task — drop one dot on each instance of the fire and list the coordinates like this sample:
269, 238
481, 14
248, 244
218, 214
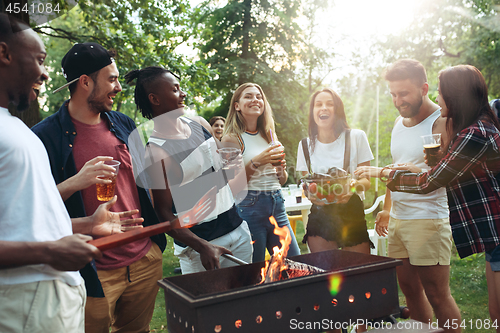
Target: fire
272, 270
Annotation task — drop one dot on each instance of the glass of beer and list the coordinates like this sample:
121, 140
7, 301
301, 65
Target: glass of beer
432, 143
106, 192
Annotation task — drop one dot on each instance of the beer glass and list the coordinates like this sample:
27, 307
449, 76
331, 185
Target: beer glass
432, 143
106, 192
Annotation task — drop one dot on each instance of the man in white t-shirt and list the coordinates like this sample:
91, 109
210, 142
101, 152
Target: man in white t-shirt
40, 290
418, 225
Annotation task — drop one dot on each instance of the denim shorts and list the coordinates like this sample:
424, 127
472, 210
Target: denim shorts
493, 257
256, 209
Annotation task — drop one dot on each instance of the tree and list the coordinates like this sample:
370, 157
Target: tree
143, 33
451, 32
317, 55
257, 41
249, 41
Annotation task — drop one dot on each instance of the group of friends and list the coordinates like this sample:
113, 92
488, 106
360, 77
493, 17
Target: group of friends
49, 210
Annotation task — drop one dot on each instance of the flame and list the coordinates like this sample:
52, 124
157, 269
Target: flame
252, 242
335, 283
272, 269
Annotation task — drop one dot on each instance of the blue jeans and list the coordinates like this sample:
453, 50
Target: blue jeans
256, 209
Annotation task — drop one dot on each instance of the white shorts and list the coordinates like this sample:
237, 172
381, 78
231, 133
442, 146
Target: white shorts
44, 306
237, 241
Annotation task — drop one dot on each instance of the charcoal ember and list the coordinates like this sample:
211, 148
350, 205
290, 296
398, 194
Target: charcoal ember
289, 269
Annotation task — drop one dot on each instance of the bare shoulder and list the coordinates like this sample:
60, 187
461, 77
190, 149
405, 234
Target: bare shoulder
231, 140
439, 125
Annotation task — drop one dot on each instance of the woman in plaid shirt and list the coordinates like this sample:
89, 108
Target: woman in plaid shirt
470, 170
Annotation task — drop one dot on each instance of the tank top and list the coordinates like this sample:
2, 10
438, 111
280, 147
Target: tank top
265, 177
198, 174
407, 146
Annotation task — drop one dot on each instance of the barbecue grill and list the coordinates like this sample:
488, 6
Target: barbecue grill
232, 300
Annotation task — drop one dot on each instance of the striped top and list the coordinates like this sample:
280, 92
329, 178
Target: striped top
199, 169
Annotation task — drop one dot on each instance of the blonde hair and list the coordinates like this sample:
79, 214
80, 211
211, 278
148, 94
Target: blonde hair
235, 123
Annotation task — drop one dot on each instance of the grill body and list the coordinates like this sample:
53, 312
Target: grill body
230, 299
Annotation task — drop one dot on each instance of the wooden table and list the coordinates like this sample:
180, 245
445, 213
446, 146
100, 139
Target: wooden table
292, 205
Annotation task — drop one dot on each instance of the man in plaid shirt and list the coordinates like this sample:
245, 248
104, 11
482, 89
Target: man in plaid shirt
471, 173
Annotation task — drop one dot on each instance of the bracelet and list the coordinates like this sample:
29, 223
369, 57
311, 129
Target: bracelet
382, 178
256, 167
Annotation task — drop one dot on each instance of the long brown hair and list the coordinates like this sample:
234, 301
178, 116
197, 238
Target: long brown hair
340, 121
235, 123
465, 94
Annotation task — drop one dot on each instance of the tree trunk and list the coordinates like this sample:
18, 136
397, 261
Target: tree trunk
245, 46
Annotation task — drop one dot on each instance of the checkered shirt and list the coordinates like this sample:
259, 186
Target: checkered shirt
471, 173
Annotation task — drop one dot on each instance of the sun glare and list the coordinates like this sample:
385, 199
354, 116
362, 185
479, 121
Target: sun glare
367, 17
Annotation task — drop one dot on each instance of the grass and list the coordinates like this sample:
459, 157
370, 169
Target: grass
467, 283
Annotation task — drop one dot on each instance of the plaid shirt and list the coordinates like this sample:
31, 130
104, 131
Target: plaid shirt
471, 173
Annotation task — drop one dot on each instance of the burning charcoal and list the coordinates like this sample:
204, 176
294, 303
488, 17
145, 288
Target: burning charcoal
296, 269
294, 265
286, 269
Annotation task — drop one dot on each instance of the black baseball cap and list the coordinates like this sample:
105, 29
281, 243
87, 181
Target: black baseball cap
85, 58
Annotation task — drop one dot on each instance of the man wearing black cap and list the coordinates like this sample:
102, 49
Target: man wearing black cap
81, 134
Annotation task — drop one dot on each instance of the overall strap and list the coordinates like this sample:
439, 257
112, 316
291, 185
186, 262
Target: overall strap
347, 152
305, 149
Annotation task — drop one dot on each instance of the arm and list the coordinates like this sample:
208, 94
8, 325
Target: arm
467, 153
66, 254
267, 156
382, 219
281, 170
86, 177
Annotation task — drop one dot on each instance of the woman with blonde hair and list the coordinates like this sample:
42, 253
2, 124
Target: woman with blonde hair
250, 127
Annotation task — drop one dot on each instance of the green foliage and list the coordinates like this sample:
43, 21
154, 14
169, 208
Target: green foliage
144, 33
451, 32
257, 41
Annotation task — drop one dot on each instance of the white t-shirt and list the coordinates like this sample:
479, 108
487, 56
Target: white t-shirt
265, 177
31, 208
327, 155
